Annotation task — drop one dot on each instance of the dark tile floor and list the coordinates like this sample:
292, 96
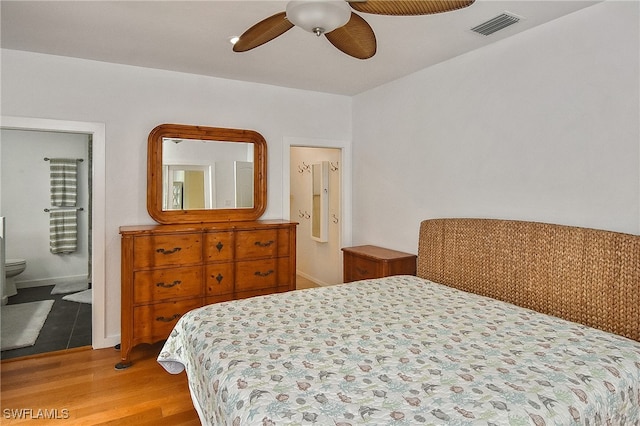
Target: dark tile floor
67, 326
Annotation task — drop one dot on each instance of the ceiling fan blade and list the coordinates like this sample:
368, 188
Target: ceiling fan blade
409, 7
356, 38
262, 32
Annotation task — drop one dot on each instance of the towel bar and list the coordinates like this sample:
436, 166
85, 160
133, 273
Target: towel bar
62, 208
77, 159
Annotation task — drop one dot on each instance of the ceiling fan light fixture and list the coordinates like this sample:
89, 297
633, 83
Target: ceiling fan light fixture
317, 16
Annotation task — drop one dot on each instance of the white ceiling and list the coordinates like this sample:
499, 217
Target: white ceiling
193, 37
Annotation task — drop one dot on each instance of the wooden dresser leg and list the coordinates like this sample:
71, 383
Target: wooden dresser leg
123, 364
125, 361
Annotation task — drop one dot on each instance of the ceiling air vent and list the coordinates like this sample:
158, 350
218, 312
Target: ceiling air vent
496, 24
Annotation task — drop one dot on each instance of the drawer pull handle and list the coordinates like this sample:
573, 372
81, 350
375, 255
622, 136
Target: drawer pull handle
261, 244
165, 319
174, 250
362, 271
264, 274
165, 285
219, 278
219, 246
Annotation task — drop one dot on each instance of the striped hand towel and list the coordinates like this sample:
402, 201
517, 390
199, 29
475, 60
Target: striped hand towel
63, 231
64, 181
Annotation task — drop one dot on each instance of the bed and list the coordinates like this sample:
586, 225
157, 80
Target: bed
507, 322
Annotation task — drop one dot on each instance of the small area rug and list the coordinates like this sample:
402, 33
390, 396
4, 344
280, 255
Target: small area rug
73, 287
21, 323
82, 297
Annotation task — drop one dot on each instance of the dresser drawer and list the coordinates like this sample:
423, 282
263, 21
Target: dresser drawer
218, 246
169, 269
163, 284
219, 278
256, 244
167, 250
256, 274
260, 292
156, 321
209, 300
283, 242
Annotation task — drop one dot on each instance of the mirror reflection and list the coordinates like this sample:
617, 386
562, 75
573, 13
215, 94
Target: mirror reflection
204, 174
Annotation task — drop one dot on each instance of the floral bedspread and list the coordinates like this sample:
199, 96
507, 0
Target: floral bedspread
399, 351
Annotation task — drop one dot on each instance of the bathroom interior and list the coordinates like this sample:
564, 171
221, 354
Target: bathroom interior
35, 267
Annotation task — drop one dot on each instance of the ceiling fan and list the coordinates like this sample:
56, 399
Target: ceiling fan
334, 19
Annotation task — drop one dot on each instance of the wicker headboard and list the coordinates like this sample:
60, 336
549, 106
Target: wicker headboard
583, 275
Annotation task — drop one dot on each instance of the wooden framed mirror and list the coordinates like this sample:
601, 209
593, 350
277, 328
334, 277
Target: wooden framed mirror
199, 174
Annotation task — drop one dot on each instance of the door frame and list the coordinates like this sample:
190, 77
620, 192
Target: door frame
98, 197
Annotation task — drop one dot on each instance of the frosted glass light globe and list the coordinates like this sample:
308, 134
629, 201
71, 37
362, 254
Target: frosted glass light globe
317, 16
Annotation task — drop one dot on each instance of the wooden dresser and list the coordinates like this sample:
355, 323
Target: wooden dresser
168, 270
365, 262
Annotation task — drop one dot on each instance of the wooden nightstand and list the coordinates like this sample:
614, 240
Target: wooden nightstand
364, 262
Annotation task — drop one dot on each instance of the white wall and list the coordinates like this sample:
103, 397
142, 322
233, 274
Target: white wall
25, 189
131, 101
542, 126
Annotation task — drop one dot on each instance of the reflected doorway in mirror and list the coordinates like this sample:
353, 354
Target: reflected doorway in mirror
186, 187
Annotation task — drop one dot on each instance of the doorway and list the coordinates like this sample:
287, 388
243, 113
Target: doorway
94, 263
45, 191
319, 260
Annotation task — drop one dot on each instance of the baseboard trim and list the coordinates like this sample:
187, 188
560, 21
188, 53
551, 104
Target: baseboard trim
312, 279
47, 354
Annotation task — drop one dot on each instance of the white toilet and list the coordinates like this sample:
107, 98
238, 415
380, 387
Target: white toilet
12, 267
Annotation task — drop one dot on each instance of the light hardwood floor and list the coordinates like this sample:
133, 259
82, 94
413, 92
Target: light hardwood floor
302, 283
81, 387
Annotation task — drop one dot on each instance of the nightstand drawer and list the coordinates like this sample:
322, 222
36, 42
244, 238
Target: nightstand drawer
359, 268
366, 262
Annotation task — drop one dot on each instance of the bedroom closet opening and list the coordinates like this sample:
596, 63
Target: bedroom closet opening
45, 199
315, 203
